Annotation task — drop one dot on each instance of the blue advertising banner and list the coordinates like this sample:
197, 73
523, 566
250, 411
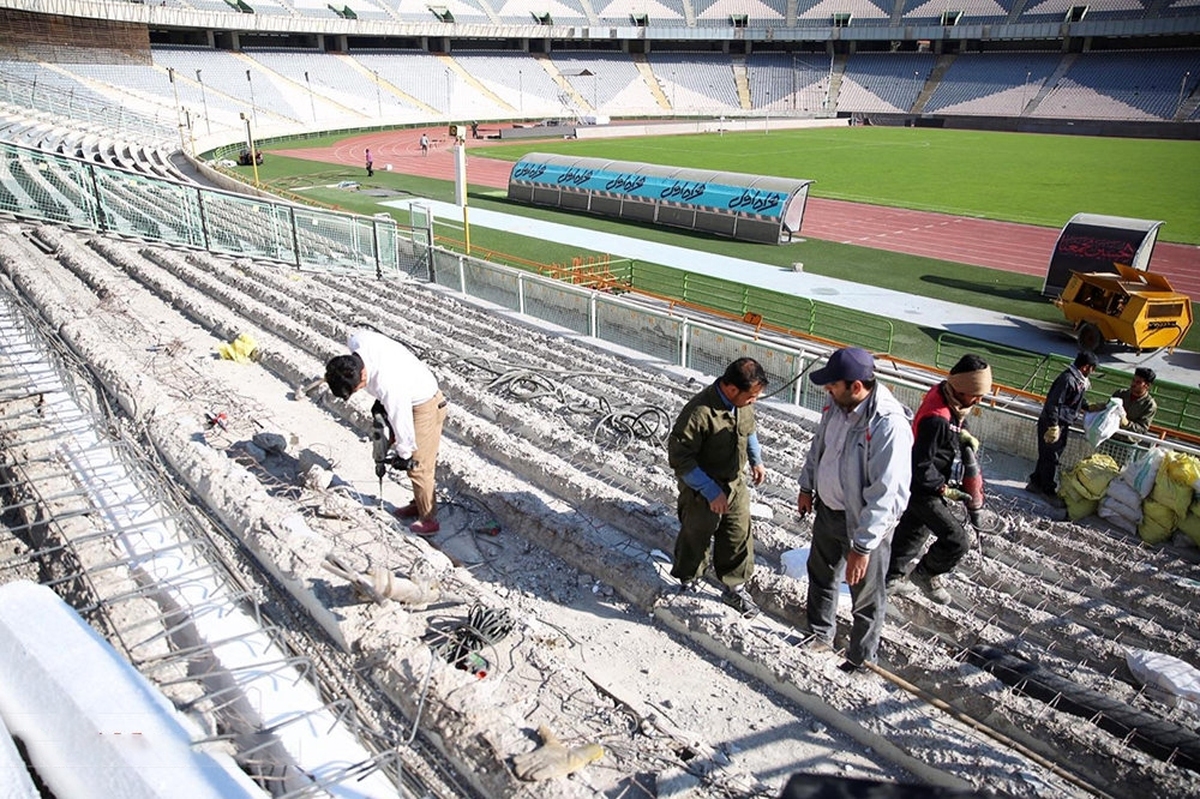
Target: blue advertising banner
684, 192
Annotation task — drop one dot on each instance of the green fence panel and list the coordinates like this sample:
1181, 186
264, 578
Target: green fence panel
661, 280
848, 326
782, 310
46, 186
241, 225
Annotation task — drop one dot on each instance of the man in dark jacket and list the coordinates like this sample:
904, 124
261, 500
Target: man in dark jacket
940, 433
713, 441
1063, 403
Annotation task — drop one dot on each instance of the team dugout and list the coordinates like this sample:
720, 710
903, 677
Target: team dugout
757, 208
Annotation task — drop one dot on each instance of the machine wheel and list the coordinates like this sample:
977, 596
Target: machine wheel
1089, 337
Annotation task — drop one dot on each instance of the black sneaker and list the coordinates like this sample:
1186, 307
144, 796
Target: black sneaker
687, 586
739, 599
850, 667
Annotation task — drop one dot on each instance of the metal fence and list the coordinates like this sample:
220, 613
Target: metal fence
680, 338
40, 185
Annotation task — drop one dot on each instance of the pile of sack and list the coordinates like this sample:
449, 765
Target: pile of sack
1154, 496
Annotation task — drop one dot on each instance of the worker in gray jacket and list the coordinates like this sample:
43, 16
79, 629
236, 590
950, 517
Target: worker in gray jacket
856, 478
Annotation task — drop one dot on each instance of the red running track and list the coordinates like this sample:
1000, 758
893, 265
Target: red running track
1024, 249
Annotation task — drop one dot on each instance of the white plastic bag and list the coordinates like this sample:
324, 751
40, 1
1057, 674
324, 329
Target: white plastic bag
1101, 425
1174, 677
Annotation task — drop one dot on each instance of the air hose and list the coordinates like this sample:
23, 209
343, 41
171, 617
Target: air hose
1157, 737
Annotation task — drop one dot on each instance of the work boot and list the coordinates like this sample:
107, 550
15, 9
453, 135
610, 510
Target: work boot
933, 585
427, 528
409, 511
739, 599
901, 586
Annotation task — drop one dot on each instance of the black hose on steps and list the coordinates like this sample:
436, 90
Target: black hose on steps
1160, 738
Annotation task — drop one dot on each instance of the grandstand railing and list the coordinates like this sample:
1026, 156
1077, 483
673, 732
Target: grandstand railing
40, 185
159, 17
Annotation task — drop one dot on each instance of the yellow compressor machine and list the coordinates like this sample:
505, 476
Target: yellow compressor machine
1133, 307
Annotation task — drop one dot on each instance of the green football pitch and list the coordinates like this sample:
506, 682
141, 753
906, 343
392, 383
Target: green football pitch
962, 172
1017, 177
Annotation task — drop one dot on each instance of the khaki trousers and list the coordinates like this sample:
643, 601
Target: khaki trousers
427, 427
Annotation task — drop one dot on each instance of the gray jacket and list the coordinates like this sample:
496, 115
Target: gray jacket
876, 467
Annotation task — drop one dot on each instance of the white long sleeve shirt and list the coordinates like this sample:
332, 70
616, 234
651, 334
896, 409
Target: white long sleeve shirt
396, 378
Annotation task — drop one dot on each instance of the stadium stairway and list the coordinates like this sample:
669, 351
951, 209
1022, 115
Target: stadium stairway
743, 83
449, 63
935, 78
651, 80
1018, 9
370, 76
1187, 107
1051, 82
835, 79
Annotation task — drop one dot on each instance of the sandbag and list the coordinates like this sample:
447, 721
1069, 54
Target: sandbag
1158, 522
1093, 474
1125, 494
1118, 516
1101, 425
1183, 468
1140, 473
1190, 526
1176, 496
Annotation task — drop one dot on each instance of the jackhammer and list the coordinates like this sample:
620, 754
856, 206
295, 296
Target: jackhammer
971, 491
382, 439
972, 483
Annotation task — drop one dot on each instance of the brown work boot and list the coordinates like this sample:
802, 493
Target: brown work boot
426, 528
409, 511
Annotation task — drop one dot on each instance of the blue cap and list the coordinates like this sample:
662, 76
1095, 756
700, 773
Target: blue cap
847, 364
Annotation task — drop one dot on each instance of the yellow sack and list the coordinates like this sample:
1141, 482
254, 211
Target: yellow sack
1184, 468
242, 349
1176, 496
1093, 474
1190, 525
1158, 522
1078, 504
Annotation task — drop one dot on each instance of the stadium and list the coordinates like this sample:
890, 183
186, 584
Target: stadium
198, 557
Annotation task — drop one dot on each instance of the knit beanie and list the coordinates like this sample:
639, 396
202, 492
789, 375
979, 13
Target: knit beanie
971, 376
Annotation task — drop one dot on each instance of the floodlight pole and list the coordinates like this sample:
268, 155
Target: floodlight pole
521, 92
178, 109
378, 102
1182, 88
204, 99
312, 106
250, 141
253, 107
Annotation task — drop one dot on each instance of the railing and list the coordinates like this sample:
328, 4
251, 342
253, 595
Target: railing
35, 184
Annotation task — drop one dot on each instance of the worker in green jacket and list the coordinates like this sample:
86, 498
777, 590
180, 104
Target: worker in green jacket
712, 446
1136, 402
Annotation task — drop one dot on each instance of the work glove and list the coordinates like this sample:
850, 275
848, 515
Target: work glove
396, 462
951, 494
967, 440
1051, 435
552, 759
1124, 421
